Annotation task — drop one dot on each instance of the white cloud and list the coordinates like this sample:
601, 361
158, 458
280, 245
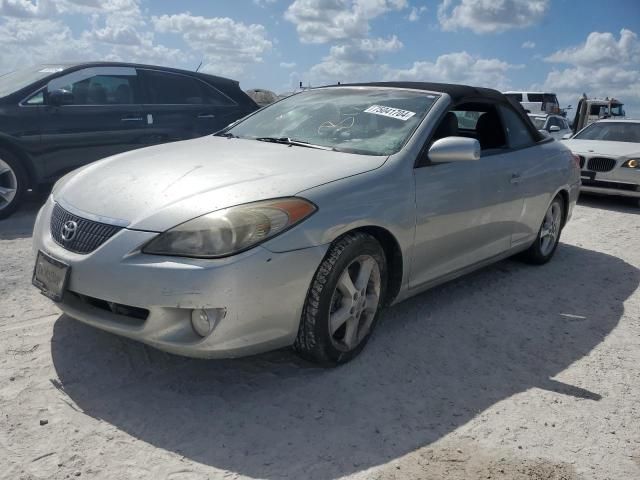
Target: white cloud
264, 3
416, 13
490, 16
221, 41
458, 67
353, 61
116, 30
322, 21
601, 49
528, 44
288, 64
601, 66
27, 9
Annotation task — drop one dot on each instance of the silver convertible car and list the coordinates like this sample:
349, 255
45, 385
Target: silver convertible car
297, 224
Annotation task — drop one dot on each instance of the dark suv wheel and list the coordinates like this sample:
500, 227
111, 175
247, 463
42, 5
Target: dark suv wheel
13, 183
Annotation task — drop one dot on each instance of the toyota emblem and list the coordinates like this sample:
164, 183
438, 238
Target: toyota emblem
69, 230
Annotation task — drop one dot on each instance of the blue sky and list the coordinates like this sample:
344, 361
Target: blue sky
563, 46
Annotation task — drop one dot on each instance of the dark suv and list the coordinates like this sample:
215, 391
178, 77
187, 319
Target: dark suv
54, 118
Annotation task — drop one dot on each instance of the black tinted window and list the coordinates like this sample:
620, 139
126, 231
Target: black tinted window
99, 89
535, 97
515, 96
175, 89
549, 98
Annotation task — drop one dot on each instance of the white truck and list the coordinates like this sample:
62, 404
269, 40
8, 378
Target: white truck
590, 110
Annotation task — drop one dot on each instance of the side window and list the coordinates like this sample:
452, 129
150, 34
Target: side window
480, 120
535, 97
554, 122
518, 135
99, 86
515, 96
176, 89
467, 120
36, 99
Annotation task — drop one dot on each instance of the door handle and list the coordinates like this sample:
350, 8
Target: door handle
515, 178
206, 115
131, 119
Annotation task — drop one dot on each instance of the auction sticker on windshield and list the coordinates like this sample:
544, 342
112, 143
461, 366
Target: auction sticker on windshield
396, 113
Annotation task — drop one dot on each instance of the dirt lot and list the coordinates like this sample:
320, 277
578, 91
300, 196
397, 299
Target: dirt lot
514, 372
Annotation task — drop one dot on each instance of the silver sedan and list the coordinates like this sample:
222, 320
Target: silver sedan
297, 224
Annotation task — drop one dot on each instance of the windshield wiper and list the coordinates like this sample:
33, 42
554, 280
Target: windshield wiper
292, 141
227, 135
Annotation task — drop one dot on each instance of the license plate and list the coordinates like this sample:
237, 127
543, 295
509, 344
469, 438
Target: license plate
50, 276
587, 175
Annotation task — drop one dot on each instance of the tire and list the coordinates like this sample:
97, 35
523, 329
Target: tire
337, 319
13, 183
546, 242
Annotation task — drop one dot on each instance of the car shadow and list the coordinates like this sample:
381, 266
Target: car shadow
20, 224
434, 363
608, 202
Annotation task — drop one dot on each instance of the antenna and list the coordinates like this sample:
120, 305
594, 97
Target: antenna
199, 65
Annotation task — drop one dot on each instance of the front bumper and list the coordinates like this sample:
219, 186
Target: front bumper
262, 292
620, 181
604, 187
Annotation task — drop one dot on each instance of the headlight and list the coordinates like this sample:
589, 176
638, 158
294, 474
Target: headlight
232, 230
633, 163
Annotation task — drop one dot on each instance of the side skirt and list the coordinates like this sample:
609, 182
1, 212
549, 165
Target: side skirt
410, 292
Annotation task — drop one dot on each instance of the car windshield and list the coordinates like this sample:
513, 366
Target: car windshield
369, 121
13, 81
538, 122
612, 131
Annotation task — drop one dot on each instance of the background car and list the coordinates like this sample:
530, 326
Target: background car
609, 152
54, 118
536, 102
556, 125
304, 219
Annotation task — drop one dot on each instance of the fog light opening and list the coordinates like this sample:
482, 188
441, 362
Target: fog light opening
204, 320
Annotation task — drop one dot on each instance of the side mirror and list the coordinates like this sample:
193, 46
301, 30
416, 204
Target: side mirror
454, 149
567, 136
60, 97
554, 128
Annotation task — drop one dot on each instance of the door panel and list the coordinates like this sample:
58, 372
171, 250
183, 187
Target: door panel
104, 118
184, 107
464, 214
538, 170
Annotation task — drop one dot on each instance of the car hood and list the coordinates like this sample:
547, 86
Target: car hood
159, 187
604, 147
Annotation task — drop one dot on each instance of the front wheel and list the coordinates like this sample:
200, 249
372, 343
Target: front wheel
343, 301
12, 183
548, 237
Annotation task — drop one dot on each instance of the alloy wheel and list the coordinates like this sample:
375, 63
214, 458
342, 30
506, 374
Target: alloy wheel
8, 184
550, 229
354, 303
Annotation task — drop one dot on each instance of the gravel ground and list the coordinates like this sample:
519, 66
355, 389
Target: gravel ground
514, 372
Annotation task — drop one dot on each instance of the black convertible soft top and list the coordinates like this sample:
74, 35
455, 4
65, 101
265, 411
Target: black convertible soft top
457, 93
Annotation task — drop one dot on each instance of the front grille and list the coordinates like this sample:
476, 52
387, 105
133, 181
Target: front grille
618, 186
581, 161
89, 235
599, 164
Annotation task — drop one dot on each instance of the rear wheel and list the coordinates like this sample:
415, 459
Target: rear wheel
548, 237
344, 301
13, 183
